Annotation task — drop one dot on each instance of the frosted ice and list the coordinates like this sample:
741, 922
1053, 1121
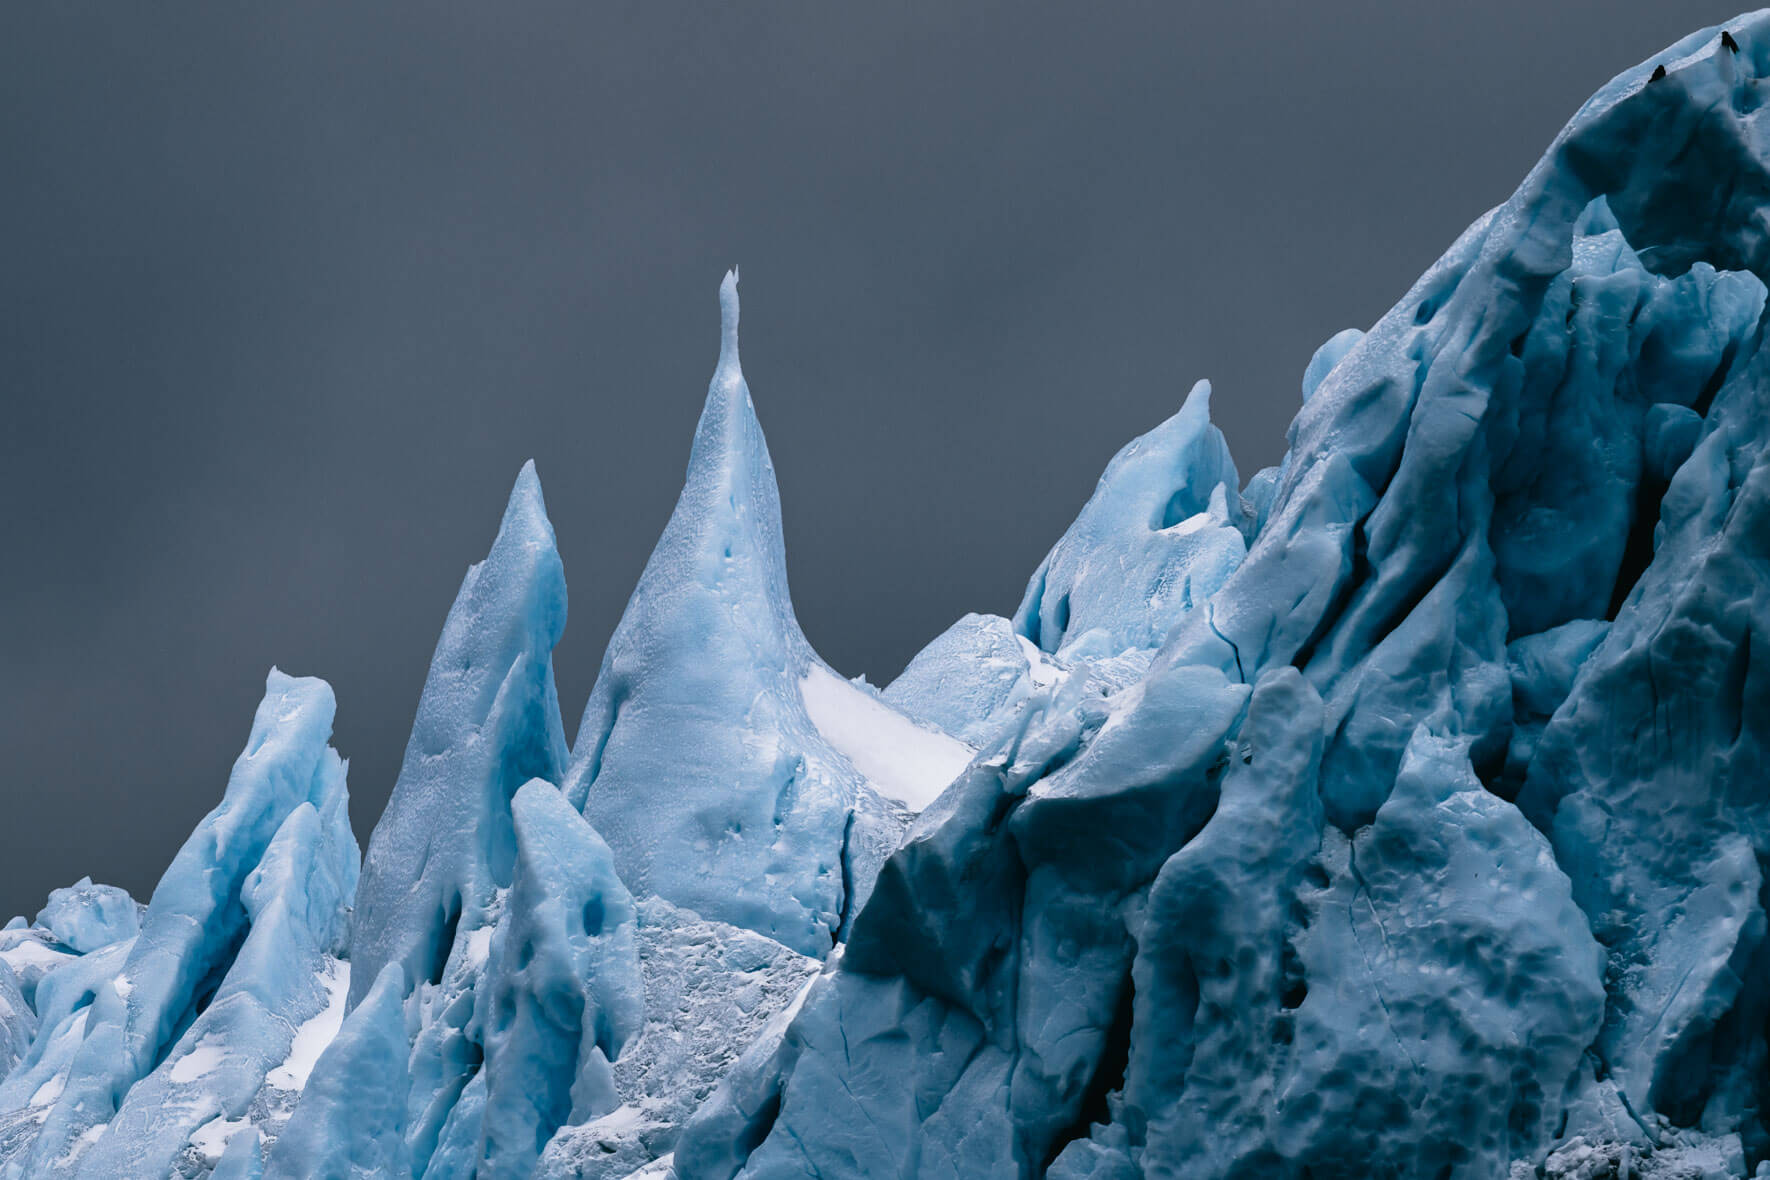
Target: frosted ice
696, 758
564, 986
488, 721
709, 991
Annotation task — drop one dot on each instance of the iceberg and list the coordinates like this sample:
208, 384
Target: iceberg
1400, 813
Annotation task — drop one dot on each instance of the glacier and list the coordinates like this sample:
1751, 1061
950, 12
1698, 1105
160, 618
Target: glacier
1402, 811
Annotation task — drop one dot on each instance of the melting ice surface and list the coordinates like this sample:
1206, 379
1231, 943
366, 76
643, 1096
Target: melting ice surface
1400, 812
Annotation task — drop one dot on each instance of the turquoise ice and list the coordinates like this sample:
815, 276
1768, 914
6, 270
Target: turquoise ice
1402, 812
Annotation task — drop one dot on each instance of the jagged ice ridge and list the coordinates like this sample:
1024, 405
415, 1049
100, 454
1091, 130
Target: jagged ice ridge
1403, 811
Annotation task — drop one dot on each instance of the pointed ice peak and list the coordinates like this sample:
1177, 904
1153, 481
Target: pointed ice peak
697, 725
729, 369
525, 521
1136, 559
1195, 411
520, 581
729, 451
488, 721
1331, 353
729, 503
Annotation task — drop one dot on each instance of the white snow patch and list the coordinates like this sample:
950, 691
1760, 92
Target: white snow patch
29, 952
199, 1062
123, 986
479, 947
49, 1091
1038, 665
661, 1168
1197, 522
316, 1033
86, 1139
625, 1117
901, 759
788, 1014
212, 1137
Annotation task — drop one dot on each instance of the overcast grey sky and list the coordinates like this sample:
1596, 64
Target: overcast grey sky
288, 293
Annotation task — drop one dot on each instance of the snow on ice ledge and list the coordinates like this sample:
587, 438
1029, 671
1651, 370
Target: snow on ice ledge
901, 759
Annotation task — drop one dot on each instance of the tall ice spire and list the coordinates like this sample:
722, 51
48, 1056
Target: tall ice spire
696, 759
487, 723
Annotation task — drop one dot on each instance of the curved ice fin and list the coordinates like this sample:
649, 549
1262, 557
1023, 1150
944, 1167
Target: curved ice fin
1145, 549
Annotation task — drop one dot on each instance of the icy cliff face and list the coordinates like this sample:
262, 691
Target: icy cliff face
1434, 835
1401, 812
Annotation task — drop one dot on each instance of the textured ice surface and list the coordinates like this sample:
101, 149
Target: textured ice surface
564, 986
170, 1019
696, 758
709, 990
18, 1022
1173, 930
1402, 814
1155, 541
487, 723
974, 679
963, 678
350, 1122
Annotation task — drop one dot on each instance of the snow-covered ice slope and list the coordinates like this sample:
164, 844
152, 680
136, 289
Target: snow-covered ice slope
899, 759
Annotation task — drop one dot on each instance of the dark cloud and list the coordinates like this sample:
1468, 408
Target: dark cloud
288, 293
